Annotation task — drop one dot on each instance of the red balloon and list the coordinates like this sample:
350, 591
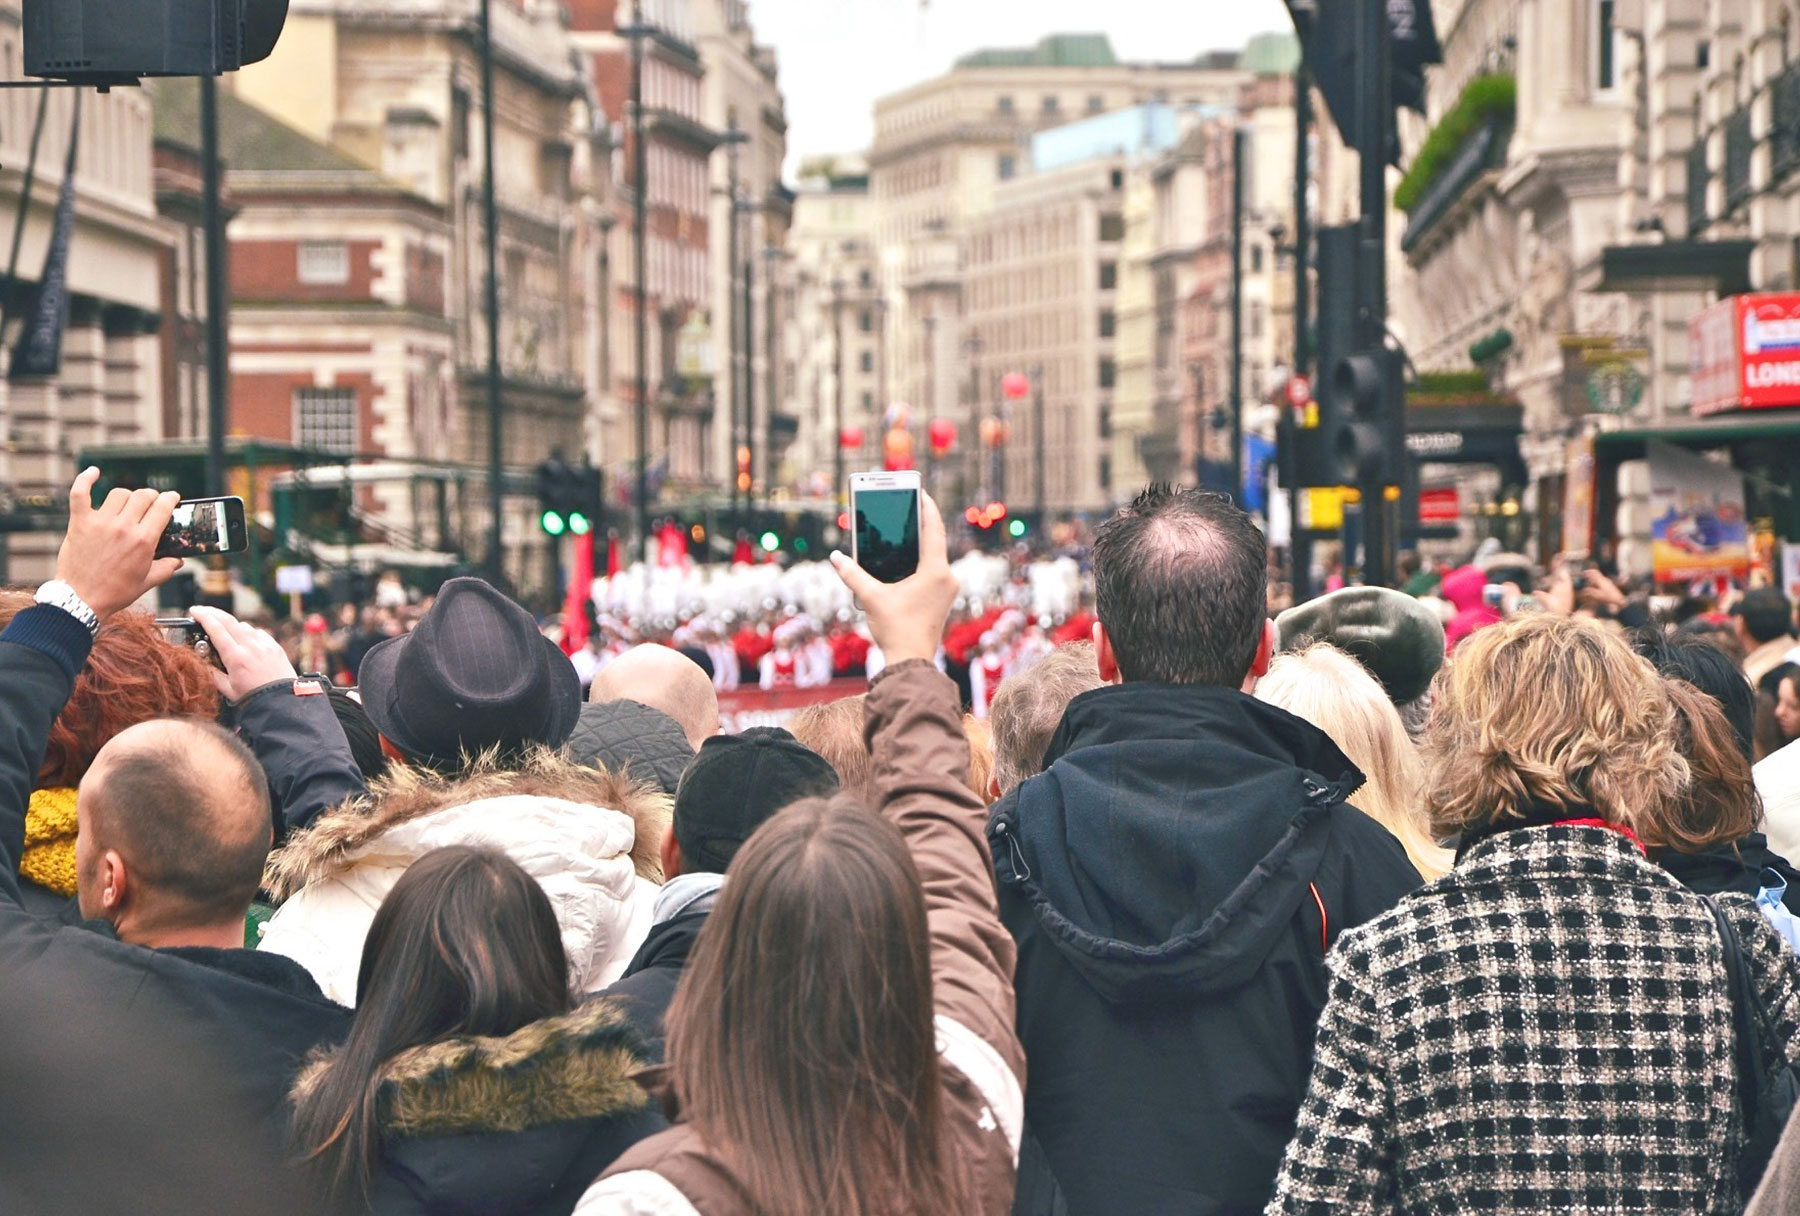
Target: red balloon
942, 434
1016, 385
851, 437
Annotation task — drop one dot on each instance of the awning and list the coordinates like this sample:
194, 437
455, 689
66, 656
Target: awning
1722, 267
1719, 428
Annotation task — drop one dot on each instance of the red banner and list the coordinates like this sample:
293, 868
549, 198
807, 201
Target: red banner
751, 706
1744, 353
1439, 505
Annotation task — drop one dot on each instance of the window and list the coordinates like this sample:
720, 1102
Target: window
1004, 104
1109, 323
1051, 105
1118, 179
864, 278
325, 419
868, 403
1108, 373
1106, 472
1256, 324
865, 321
1112, 227
1096, 104
1256, 259
1109, 276
1606, 66
1005, 167
866, 361
1106, 422
324, 262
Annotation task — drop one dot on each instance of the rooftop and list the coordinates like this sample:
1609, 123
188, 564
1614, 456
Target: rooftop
250, 139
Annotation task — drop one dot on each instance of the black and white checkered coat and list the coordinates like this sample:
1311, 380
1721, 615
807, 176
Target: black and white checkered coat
1545, 1029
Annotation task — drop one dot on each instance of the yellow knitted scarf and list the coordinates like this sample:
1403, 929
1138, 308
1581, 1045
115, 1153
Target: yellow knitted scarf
50, 823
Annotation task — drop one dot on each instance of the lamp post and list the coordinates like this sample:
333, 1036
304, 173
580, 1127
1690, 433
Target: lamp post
972, 463
733, 139
490, 218
640, 190
837, 388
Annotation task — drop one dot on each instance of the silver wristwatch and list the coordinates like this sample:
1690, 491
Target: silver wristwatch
59, 594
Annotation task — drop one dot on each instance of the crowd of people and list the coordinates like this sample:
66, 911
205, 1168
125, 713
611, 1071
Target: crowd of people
1176, 899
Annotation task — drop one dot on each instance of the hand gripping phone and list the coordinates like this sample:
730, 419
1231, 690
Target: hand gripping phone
884, 523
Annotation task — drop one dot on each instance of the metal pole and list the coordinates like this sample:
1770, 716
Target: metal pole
1037, 440
1375, 86
733, 316
1300, 541
640, 189
837, 388
18, 236
213, 221
931, 393
496, 556
749, 411
1240, 155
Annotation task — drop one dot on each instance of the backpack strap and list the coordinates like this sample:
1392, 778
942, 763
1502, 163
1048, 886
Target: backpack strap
1739, 992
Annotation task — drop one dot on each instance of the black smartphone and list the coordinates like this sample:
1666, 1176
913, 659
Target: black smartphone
884, 512
202, 526
186, 631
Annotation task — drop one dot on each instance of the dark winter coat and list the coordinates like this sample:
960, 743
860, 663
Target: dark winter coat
152, 1078
1547, 1028
631, 740
1174, 879
518, 1125
647, 988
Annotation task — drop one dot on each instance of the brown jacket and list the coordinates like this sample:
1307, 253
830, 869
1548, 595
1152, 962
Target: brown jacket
921, 761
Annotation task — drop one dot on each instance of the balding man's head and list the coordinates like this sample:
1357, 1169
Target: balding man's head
662, 679
175, 828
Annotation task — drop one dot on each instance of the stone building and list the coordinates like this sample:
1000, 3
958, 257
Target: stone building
121, 257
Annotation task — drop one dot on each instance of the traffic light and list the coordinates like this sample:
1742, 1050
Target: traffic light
1017, 529
1315, 426
1369, 443
555, 482
107, 41
586, 498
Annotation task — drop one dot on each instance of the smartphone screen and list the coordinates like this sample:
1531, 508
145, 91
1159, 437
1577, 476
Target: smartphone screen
204, 525
887, 532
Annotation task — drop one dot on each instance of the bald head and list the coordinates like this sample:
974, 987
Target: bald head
175, 828
663, 679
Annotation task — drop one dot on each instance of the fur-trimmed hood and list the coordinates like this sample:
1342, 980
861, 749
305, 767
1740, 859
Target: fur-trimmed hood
331, 842
503, 1124
589, 838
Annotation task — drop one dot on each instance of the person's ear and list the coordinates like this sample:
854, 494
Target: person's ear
1265, 654
115, 884
670, 854
1103, 655
993, 789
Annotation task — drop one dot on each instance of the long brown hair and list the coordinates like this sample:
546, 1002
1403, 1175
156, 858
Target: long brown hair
1721, 805
466, 943
801, 1037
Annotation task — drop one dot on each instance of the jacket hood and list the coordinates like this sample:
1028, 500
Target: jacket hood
492, 1124
334, 841
1131, 848
1462, 587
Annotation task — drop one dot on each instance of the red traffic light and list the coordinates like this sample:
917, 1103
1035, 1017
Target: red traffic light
973, 515
985, 517
843, 521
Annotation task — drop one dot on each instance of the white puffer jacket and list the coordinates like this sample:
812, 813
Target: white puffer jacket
589, 839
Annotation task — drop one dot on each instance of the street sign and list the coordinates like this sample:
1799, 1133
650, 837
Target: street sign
294, 580
1299, 391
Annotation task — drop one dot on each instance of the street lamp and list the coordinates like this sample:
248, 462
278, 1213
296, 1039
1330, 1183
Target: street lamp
737, 320
637, 31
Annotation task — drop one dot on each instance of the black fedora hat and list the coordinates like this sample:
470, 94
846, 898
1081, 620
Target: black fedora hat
474, 674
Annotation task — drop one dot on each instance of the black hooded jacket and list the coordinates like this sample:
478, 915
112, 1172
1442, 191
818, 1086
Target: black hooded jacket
518, 1125
1174, 879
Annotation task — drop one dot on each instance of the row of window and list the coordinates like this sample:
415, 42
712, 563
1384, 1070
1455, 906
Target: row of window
1049, 105
676, 178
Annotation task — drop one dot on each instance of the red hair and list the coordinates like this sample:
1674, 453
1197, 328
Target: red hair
134, 674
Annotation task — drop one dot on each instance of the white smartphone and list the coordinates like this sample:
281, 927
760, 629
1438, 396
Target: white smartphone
884, 515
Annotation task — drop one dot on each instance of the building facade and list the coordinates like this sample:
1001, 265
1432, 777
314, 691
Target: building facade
395, 87
946, 149
120, 260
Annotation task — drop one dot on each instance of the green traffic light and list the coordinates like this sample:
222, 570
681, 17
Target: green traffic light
800, 545
1017, 528
770, 542
578, 524
552, 523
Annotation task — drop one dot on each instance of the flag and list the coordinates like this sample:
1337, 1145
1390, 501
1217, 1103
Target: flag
39, 352
581, 586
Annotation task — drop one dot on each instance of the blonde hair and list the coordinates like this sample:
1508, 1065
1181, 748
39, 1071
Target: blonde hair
835, 731
981, 755
1542, 714
1030, 706
1337, 694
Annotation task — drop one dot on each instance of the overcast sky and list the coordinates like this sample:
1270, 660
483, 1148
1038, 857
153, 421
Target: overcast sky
838, 56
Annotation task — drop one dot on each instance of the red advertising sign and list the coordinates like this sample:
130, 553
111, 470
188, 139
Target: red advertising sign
1440, 505
1745, 353
749, 706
